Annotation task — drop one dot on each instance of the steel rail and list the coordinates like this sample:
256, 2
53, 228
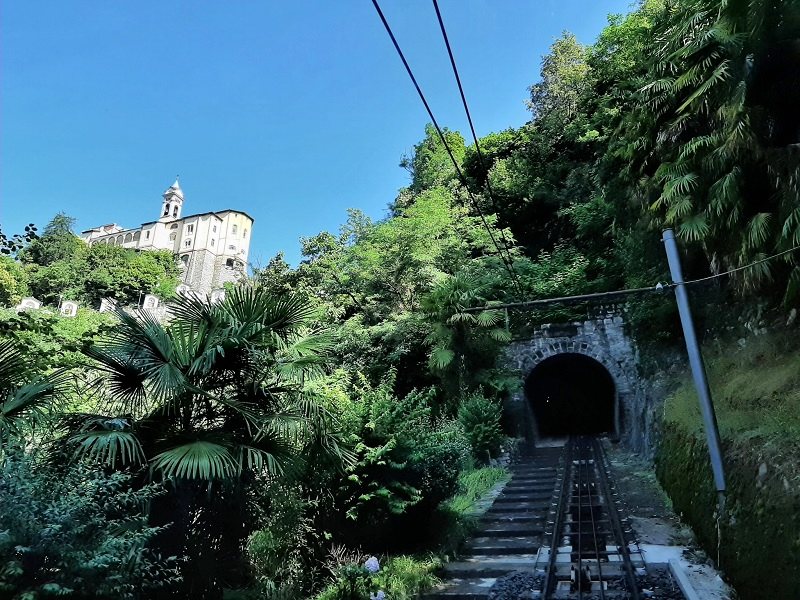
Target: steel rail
578, 575
616, 524
550, 578
594, 536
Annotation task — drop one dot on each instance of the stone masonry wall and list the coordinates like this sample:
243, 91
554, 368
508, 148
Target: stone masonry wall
604, 339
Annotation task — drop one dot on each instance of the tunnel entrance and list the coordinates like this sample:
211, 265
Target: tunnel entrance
571, 394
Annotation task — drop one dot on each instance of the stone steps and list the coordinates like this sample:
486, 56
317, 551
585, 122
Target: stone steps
504, 529
509, 533
489, 566
499, 546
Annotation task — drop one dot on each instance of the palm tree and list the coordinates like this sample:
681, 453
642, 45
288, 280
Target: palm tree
27, 398
215, 393
209, 403
463, 344
720, 128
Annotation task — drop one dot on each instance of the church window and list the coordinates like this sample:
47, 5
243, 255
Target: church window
233, 230
128, 237
214, 229
188, 242
244, 233
137, 236
175, 211
119, 240
171, 237
212, 242
231, 247
173, 226
229, 262
185, 259
166, 210
147, 235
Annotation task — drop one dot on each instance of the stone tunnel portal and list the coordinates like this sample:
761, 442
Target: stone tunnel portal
571, 393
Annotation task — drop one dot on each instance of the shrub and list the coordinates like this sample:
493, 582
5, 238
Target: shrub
285, 542
75, 533
480, 418
406, 462
400, 578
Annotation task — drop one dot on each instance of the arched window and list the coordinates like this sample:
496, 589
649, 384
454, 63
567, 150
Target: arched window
137, 236
188, 242
128, 237
185, 259
175, 211
119, 240
166, 210
244, 234
172, 237
233, 230
173, 226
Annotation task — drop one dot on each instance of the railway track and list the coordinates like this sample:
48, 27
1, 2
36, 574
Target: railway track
592, 554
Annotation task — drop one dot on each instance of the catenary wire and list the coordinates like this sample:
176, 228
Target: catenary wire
660, 288
481, 160
742, 268
506, 262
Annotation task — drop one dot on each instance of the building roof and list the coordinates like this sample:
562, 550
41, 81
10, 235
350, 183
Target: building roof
175, 188
216, 213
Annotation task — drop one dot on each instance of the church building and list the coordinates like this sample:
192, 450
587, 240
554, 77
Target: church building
212, 246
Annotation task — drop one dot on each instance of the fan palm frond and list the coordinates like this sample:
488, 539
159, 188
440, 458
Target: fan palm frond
199, 459
26, 399
757, 230
441, 358
694, 228
108, 446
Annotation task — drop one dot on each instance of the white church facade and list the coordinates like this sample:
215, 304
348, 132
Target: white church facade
212, 247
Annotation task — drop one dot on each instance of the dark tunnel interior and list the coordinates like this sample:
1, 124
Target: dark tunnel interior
571, 394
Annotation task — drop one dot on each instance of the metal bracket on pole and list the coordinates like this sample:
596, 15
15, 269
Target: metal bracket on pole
697, 366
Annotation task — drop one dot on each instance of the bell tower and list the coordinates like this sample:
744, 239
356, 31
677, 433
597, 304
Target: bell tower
173, 202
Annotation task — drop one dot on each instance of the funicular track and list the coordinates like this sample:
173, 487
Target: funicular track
589, 555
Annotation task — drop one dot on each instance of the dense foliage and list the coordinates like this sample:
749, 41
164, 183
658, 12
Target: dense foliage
58, 266
339, 409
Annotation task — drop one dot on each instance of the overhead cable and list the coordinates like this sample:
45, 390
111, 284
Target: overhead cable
469, 116
742, 268
506, 261
658, 288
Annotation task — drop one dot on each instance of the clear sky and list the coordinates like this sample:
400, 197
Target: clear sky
291, 111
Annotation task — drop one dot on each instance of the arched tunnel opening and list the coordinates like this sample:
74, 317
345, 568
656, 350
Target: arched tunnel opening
571, 394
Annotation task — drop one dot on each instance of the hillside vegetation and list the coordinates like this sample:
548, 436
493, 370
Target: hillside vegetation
756, 387
324, 429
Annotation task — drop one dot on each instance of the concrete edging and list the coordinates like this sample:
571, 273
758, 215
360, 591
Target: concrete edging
683, 580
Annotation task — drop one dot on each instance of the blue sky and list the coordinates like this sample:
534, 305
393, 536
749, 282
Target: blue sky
290, 111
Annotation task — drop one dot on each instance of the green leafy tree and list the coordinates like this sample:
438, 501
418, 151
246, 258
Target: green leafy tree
430, 164
57, 242
718, 130
209, 401
76, 533
13, 281
565, 81
104, 271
